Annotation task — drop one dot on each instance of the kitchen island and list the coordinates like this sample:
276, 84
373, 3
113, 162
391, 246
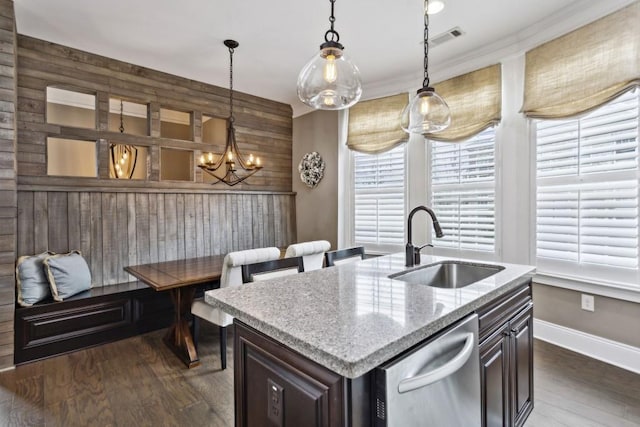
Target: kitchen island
323, 332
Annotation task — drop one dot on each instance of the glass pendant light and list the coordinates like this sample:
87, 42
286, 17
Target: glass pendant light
427, 112
330, 81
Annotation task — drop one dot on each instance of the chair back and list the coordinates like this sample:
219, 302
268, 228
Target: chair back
233, 262
312, 253
344, 256
271, 269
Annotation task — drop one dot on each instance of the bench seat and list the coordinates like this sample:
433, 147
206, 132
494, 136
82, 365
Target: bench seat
93, 317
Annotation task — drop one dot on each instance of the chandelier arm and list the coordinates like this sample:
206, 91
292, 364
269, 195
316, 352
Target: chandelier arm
134, 155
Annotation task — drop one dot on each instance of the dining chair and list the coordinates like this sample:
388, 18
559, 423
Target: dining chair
312, 253
266, 270
231, 276
344, 256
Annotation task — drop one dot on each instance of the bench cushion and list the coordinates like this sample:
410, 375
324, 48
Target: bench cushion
31, 282
68, 274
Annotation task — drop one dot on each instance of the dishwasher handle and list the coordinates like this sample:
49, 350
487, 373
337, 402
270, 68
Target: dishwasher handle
457, 362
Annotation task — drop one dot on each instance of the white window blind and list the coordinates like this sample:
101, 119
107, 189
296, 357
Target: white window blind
379, 199
463, 192
587, 193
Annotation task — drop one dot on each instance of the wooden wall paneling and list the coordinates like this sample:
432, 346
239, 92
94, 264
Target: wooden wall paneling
40, 223
10, 239
154, 119
103, 158
132, 249
190, 221
110, 244
256, 213
197, 126
227, 223
162, 232
171, 226
269, 225
199, 224
25, 241
232, 211
85, 226
277, 224
291, 219
121, 235
102, 110
250, 218
96, 239
216, 225
73, 220
227, 214
180, 236
203, 202
153, 228
142, 228
264, 126
58, 222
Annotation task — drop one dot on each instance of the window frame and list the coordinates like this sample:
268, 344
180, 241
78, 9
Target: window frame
377, 248
600, 279
497, 203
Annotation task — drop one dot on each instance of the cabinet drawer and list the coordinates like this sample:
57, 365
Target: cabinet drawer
499, 311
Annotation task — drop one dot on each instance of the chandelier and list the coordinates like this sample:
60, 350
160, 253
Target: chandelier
330, 81
427, 113
230, 167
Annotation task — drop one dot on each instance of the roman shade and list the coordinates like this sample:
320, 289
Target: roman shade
584, 69
475, 101
375, 125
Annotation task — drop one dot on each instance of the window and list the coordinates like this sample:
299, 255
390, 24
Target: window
587, 193
463, 192
379, 199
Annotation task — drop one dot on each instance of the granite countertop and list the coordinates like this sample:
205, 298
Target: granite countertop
352, 318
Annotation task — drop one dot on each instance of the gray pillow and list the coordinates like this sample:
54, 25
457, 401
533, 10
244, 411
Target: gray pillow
31, 282
68, 274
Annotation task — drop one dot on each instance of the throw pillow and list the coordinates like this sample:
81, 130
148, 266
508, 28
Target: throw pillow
68, 274
31, 282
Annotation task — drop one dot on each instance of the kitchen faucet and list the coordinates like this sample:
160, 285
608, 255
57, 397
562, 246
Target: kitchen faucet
412, 253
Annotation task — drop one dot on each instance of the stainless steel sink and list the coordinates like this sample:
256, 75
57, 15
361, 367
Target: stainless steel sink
447, 274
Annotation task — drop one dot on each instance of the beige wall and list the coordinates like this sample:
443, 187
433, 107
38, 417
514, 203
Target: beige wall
317, 208
613, 319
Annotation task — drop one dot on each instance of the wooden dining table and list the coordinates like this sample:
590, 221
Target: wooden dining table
180, 278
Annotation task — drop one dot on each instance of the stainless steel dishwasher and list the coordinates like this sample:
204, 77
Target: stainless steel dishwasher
436, 384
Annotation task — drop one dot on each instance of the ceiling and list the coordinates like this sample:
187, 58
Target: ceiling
277, 38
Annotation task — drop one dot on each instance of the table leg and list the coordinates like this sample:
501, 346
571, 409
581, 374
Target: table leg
178, 337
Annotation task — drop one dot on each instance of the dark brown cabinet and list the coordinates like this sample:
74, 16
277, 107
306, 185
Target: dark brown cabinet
275, 386
506, 361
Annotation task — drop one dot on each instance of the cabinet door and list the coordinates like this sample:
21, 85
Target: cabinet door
494, 374
275, 386
521, 359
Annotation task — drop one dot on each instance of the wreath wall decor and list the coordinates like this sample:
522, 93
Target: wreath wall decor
311, 169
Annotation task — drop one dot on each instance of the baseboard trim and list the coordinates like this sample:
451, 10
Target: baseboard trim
612, 352
8, 368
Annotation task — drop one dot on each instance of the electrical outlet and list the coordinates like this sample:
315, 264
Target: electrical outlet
587, 302
275, 405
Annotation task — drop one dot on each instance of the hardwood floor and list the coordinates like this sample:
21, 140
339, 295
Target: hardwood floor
140, 382
573, 390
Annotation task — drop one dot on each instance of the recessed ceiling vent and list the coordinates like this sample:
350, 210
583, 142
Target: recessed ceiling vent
445, 37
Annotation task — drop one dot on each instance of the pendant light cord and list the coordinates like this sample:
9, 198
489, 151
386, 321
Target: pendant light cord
231, 118
425, 82
121, 118
335, 37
